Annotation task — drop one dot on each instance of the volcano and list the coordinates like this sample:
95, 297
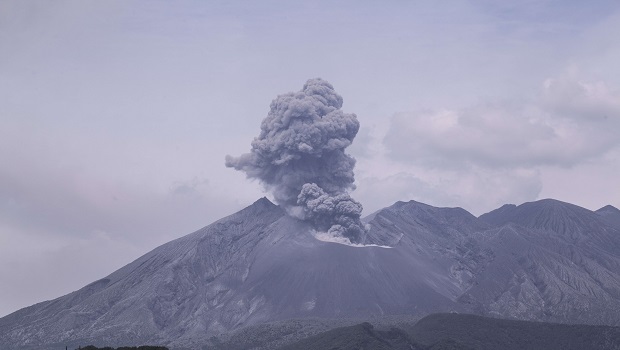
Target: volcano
544, 261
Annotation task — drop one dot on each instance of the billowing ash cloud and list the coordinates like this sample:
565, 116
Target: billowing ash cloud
299, 156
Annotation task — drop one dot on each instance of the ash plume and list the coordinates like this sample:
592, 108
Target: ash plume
299, 156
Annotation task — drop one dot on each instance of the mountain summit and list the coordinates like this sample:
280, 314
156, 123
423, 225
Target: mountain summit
545, 261
611, 213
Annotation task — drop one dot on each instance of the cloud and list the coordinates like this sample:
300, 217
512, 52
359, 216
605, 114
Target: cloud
496, 151
42, 267
62, 230
568, 123
60, 205
581, 101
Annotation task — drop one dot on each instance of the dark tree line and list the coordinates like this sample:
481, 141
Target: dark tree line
143, 347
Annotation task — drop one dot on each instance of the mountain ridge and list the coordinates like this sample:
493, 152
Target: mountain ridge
611, 214
545, 260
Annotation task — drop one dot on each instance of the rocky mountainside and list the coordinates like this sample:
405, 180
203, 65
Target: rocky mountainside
161, 296
545, 260
611, 214
255, 266
554, 261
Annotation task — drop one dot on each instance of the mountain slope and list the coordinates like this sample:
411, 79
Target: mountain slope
554, 261
544, 260
439, 240
573, 222
611, 214
176, 289
255, 266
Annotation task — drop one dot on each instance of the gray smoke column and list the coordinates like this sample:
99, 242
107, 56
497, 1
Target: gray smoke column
299, 156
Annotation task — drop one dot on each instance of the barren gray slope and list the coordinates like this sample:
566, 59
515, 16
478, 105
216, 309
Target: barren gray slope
545, 260
554, 261
571, 221
255, 266
440, 240
611, 214
180, 288
158, 297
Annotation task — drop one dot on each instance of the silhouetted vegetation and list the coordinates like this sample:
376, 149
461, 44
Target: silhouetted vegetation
143, 347
486, 333
465, 332
361, 336
272, 335
434, 332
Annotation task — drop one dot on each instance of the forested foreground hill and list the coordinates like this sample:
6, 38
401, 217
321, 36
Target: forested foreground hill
460, 331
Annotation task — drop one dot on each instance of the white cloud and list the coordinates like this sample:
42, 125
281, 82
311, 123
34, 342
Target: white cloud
493, 153
584, 102
571, 122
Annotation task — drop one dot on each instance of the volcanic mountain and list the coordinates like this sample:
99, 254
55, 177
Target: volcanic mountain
544, 261
610, 213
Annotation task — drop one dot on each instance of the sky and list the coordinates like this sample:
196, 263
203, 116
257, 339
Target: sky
116, 116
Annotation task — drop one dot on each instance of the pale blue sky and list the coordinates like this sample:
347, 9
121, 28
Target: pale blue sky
115, 116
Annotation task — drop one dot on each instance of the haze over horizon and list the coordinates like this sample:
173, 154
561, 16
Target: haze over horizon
116, 116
